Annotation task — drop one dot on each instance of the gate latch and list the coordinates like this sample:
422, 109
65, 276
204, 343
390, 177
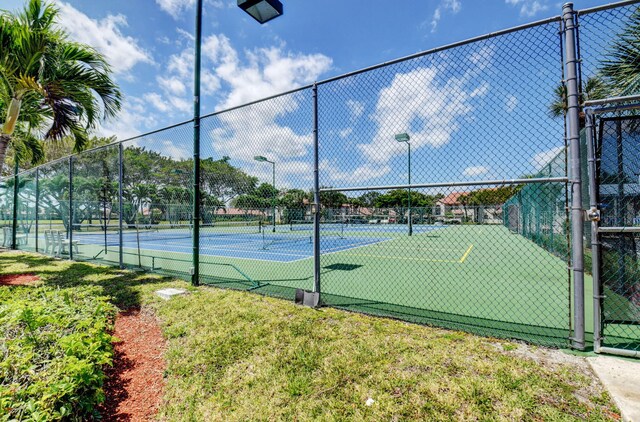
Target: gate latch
593, 214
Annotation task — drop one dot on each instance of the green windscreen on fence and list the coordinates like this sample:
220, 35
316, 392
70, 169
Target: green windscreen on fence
539, 211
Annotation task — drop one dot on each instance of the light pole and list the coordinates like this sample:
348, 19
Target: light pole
275, 192
262, 11
404, 137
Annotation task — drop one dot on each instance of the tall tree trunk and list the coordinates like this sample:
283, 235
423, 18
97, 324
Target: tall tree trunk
4, 143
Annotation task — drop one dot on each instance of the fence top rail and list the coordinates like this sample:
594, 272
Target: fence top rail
451, 184
611, 100
608, 6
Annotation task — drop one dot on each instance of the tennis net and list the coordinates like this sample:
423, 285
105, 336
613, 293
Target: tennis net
97, 233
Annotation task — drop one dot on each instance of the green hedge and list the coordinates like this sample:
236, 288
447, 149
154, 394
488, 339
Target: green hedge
54, 344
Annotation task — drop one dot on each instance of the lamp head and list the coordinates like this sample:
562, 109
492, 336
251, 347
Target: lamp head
402, 137
262, 10
260, 158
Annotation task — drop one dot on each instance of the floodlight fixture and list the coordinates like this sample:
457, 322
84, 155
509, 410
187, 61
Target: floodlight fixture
403, 137
262, 10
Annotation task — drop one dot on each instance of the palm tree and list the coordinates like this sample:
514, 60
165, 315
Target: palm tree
594, 88
622, 66
49, 84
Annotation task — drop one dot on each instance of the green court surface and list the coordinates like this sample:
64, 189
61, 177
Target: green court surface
478, 278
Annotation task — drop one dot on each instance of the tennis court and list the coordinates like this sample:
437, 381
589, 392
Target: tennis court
477, 277
236, 240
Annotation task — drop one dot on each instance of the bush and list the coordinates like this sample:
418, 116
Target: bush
53, 345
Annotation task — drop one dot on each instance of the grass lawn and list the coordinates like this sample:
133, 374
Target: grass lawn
241, 356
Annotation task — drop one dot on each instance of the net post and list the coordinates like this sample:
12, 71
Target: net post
316, 197
70, 223
573, 117
120, 207
14, 217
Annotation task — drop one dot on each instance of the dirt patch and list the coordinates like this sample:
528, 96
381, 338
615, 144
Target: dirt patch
556, 360
18, 279
135, 384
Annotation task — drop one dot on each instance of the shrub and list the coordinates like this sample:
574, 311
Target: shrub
53, 346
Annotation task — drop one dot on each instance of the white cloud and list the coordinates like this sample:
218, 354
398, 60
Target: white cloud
122, 52
133, 119
438, 106
268, 71
528, 8
480, 91
356, 108
475, 171
181, 64
543, 158
171, 150
345, 132
176, 7
452, 6
263, 73
156, 100
338, 177
172, 85
511, 103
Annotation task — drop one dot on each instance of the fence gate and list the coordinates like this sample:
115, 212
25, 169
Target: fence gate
613, 145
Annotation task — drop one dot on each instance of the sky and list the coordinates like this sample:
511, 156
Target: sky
462, 108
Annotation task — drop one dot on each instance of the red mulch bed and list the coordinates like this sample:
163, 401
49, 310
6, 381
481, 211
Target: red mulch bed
18, 279
135, 384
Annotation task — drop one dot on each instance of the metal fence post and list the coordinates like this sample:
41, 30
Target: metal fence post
37, 204
14, 221
573, 116
70, 237
316, 196
120, 207
195, 270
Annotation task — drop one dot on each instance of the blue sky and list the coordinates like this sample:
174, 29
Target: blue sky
464, 122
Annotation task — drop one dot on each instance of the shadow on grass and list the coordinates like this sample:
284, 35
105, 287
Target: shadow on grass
120, 286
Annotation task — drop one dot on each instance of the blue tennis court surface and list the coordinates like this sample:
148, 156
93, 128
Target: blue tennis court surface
281, 246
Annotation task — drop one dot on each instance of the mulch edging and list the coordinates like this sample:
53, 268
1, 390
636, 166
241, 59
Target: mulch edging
135, 383
18, 279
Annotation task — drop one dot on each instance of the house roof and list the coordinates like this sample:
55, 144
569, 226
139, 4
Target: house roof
452, 198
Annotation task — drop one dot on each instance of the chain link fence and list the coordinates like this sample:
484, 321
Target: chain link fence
434, 189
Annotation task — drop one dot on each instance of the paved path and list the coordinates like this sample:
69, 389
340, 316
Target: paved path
621, 378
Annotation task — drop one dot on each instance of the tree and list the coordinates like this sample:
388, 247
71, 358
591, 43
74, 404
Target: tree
593, 88
295, 203
398, 199
224, 181
368, 199
260, 198
622, 66
333, 200
49, 83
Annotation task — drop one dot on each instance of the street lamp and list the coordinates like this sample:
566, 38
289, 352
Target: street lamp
404, 137
262, 159
261, 10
